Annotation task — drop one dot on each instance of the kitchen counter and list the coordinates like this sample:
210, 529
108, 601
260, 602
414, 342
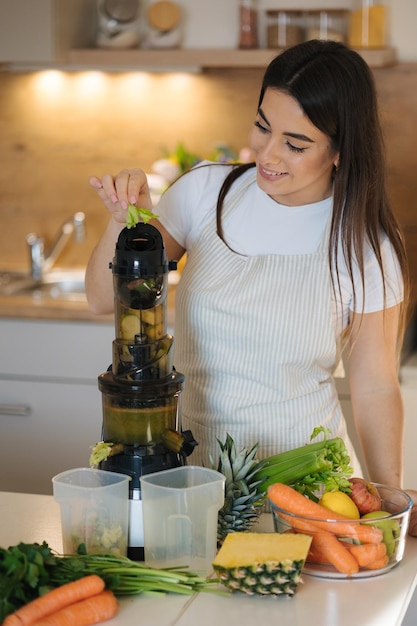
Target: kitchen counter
31, 307
376, 601
73, 307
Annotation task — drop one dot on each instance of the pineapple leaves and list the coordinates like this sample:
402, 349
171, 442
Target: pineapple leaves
242, 502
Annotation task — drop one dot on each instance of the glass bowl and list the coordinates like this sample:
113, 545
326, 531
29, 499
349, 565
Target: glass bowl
377, 544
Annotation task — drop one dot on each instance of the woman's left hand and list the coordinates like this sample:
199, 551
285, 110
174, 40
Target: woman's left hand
412, 529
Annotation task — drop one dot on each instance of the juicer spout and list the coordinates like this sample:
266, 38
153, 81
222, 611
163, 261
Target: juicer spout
182, 443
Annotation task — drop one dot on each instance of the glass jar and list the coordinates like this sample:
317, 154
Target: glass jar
327, 24
368, 24
284, 28
118, 24
164, 25
248, 24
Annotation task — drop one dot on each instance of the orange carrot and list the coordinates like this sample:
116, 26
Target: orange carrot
379, 563
366, 553
54, 600
335, 553
316, 556
92, 610
300, 525
290, 500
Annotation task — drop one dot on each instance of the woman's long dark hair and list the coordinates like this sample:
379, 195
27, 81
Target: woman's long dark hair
335, 89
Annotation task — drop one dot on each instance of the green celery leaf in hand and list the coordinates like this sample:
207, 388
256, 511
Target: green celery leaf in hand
134, 215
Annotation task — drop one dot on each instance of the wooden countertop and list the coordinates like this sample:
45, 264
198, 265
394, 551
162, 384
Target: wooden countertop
41, 305
74, 308
34, 308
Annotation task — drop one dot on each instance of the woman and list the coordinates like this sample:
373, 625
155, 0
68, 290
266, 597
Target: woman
288, 258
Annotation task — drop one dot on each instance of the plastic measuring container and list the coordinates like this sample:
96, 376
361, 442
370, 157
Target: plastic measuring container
94, 510
180, 511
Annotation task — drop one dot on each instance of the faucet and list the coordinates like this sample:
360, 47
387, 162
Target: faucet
41, 261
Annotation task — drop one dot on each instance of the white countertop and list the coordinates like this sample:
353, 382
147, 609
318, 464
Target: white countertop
377, 601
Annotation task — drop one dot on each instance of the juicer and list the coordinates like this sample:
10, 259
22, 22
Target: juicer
141, 390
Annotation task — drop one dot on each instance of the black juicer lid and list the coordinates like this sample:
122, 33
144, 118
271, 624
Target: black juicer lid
140, 252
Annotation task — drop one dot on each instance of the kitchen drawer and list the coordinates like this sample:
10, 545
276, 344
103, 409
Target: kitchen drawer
55, 349
63, 421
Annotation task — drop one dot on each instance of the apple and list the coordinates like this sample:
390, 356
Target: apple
365, 496
390, 528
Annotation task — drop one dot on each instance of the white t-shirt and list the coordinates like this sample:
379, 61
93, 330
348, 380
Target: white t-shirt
261, 226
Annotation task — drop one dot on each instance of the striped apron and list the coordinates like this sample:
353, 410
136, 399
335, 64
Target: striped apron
255, 339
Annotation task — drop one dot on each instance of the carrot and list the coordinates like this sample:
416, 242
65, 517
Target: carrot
379, 563
335, 553
89, 611
290, 500
300, 525
316, 556
54, 600
366, 553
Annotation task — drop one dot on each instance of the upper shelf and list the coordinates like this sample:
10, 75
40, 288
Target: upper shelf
181, 58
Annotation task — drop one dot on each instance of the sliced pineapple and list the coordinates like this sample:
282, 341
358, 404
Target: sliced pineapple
262, 563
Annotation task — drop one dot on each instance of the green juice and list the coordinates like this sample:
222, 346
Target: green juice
142, 426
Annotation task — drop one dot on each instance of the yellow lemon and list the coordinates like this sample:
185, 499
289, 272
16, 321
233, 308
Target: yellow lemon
341, 503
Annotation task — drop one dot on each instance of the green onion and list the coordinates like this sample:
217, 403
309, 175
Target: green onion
30, 570
126, 577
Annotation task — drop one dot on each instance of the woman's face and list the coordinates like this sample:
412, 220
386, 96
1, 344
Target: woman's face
294, 159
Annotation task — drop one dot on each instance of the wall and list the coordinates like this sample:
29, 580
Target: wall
217, 16
403, 18
57, 129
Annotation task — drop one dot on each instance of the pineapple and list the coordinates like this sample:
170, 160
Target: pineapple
262, 563
242, 501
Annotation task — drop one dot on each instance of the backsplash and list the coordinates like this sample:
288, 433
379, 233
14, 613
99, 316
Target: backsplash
59, 128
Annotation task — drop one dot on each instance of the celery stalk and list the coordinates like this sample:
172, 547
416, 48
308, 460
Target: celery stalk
335, 444
322, 465
291, 475
136, 214
281, 466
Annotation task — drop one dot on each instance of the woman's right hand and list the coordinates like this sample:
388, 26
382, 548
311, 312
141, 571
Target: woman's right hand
117, 192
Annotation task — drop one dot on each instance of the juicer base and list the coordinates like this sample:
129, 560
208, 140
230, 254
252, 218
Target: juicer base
135, 549
135, 553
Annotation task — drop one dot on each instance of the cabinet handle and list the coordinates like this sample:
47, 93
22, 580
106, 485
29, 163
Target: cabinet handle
15, 409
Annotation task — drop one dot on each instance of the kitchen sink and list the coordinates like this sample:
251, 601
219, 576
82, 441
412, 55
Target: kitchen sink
56, 284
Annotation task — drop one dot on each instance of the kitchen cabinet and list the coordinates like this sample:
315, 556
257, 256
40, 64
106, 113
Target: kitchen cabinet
42, 31
50, 404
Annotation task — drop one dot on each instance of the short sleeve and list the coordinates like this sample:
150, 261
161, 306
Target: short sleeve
375, 299
185, 205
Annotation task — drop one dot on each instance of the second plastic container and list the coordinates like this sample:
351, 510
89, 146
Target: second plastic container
180, 511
